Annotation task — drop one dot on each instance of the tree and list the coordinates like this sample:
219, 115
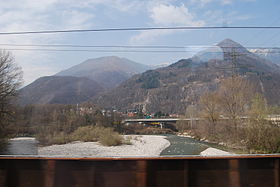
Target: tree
262, 134
259, 108
191, 112
210, 108
10, 81
235, 95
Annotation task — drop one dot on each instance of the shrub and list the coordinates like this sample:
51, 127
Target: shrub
110, 138
87, 134
106, 136
263, 136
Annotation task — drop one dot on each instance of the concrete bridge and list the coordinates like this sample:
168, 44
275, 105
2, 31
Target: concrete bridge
275, 119
160, 120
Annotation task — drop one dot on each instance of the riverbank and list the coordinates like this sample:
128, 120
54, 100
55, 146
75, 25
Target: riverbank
143, 146
226, 147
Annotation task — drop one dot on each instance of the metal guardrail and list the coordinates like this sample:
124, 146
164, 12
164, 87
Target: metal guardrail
237, 171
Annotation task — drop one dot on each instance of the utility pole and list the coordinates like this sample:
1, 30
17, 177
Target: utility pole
231, 57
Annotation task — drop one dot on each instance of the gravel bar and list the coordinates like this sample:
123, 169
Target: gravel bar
144, 146
214, 152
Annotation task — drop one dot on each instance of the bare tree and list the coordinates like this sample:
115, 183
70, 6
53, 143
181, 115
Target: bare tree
10, 81
235, 95
191, 112
210, 108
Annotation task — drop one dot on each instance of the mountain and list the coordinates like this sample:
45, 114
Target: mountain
107, 71
244, 58
173, 88
272, 54
59, 90
218, 51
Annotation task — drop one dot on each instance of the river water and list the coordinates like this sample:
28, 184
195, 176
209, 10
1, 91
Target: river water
183, 146
21, 146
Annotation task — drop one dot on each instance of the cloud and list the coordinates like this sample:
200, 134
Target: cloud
166, 15
77, 19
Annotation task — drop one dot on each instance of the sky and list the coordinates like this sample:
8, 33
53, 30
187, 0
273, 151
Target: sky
36, 15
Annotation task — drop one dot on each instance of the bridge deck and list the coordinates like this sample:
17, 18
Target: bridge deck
159, 120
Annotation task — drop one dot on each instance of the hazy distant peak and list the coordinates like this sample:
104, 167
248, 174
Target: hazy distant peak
108, 71
228, 43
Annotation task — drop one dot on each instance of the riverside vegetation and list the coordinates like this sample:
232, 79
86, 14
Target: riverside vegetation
60, 124
235, 115
106, 136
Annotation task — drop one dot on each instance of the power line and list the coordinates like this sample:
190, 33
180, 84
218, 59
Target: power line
137, 29
125, 51
97, 50
91, 46
132, 46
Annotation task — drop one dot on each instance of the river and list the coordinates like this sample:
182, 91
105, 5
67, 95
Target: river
178, 146
21, 146
183, 146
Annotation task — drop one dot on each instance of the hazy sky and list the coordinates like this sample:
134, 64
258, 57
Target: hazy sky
34, 15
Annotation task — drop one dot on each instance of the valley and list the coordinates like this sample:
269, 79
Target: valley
224, 87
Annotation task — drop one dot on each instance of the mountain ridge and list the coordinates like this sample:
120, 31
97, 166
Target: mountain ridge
108, 71
271, 54
59, 90
173, 88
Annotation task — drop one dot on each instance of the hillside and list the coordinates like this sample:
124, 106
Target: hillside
109, 71
173, 88
59, 90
